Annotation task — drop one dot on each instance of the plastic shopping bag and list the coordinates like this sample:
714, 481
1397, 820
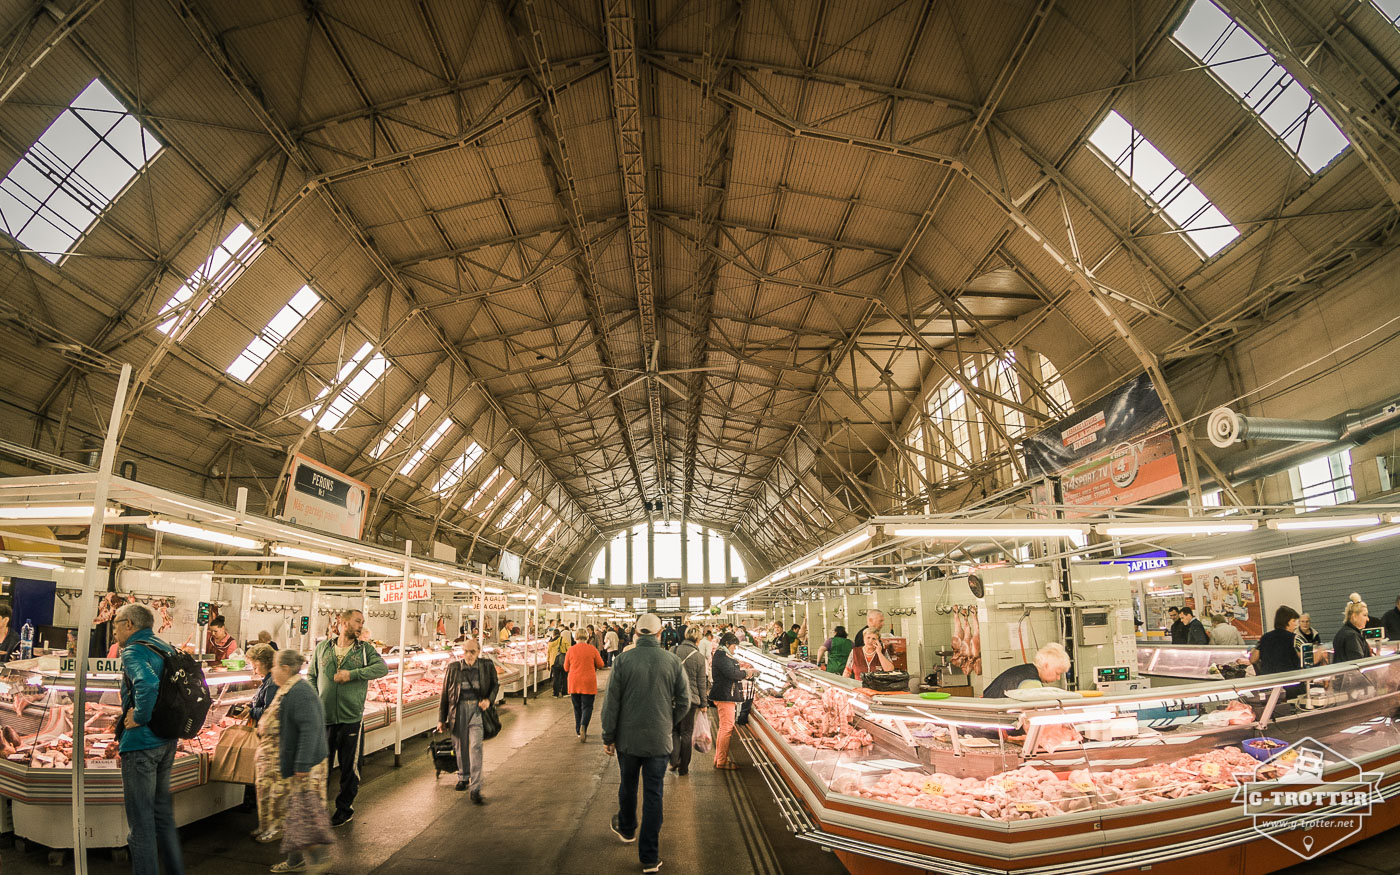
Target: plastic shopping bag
701, 738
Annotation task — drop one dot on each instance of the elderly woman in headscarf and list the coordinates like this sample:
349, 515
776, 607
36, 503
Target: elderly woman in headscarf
302, 760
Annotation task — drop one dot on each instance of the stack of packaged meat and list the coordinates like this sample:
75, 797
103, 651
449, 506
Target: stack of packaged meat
819, 721
1027, 793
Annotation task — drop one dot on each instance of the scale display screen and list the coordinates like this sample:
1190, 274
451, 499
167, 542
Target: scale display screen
1109, 673
1375, 633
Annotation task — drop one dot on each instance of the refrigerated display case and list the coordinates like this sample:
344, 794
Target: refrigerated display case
422, 680
525, 661
1077, 783
1183, 663
36, 775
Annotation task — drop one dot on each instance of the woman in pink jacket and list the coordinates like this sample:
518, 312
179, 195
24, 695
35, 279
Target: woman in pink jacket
582, 663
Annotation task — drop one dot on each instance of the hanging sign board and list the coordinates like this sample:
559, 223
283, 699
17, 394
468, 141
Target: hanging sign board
494, 602
551, 598
1231, 593
323, 498
95, 666
1117, 450
419, 589
391, 591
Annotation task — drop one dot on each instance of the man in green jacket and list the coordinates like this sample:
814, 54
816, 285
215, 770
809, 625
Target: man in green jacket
648, 694
341, 670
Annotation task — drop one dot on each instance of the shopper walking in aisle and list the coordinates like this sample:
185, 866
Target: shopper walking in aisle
340, 670
835, 652
693, 661
1195, 629
597, 637
611, 645
468, 689
303, 763
146, 758
647, 695
582, 663
1178, 627
1223, 634
727, 692
268, 783
706, 646
554, 654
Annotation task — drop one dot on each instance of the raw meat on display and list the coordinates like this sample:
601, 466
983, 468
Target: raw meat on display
1027, 793
819, 721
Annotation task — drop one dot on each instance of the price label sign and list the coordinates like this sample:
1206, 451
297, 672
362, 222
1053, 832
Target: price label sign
105, 666
391, 591
419, 589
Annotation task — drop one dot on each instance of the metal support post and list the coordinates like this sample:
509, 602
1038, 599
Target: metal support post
403, 653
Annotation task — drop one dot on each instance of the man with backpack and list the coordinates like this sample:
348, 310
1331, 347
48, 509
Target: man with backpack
341, 670
146, 757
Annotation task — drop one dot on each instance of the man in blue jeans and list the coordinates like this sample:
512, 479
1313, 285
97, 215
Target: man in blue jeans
648, 694
146, 757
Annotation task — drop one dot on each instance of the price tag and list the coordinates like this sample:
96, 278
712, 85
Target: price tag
1083, 786
933, 789
1210, 770
1025, 808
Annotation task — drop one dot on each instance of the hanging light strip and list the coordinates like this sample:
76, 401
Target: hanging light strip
1215, 563
309, 555
376, 568
1176, 527
958, 531
1307, 522
199, 533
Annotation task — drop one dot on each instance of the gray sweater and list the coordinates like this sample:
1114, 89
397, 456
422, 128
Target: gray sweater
693, 661
648, 694
301, 742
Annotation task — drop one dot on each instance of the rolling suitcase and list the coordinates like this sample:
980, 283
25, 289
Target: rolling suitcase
443, 756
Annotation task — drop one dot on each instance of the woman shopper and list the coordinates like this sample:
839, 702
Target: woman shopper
468, 689
611, 645
303, 763
582, 663
554, 654
271, 789
693, 661
727, 693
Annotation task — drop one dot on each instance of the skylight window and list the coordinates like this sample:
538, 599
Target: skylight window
501, 493
514, 509
545, 536
224, 265
1263, 85
459, 467
400, 426
282, 327
1154, 177
73, 172
481, 490
357, 388
433, 440
1390, 9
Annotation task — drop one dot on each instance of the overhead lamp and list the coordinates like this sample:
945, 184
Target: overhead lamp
1149, 575
50, 511
842, 547
37, 563
776, 576
431, 578
309, 555
199, 533
375, 568
988, 530
803, 566
1324, 522
1216, 563
1176, 527
492, 589
461, 584
1376, 534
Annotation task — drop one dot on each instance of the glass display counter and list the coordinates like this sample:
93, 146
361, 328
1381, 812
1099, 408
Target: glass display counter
1069, 782
525, 662
1180, 663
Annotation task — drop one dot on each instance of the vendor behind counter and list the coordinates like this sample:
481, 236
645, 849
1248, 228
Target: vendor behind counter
1049, 664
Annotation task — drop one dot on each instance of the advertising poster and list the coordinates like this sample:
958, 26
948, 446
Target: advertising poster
1117, 450
322, 498
1231, 592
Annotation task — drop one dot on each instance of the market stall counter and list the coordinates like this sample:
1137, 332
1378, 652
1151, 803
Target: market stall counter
524, 663
1074, 783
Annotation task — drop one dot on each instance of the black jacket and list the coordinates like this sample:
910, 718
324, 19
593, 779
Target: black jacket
447, 705
264, 697
1178, 632
1196, 633
1391, 622
1349, 644
728, 677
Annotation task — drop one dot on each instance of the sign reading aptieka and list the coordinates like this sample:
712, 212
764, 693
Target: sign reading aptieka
325, 499
1118, 450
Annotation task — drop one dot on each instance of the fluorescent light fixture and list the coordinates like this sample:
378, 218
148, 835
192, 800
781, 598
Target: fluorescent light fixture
988, 530
803, 566
199, 533
1376, 534
1176, 527
493, 589
460, 584
309, 555
36, 563
1216, 563
1305, 522
375, 568
838, 549
431, 578
1150, 575
50, 511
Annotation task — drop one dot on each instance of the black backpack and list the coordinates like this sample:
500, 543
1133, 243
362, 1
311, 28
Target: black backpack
183, 701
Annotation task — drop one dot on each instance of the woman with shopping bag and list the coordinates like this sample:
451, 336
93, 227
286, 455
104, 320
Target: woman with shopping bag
693, 661
302, 762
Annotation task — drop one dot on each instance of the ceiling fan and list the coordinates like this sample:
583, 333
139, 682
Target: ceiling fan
660, 376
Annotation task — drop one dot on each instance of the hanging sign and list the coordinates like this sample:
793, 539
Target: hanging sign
494, 602
1231, 593
419, 589
391, 591
323, 498
1117, 450
95, 666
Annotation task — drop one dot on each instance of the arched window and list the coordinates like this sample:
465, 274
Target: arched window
645, 552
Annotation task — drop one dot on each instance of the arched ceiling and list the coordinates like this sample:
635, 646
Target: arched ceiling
685, 258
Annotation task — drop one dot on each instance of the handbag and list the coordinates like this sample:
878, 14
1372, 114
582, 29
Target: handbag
490, 722
700, 738
234, 756
886, 681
